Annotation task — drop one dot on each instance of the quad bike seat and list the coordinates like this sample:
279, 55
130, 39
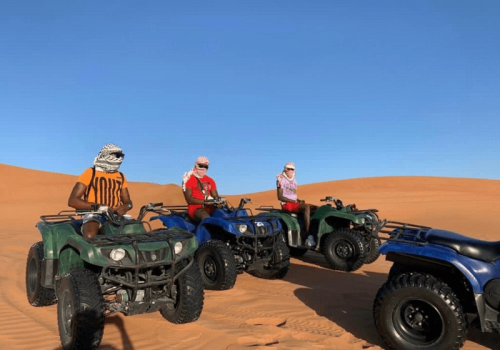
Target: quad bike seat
470, 247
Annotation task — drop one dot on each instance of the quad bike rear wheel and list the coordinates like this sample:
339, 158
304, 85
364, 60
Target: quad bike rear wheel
344, 249
278, 264
188, 296
80, 311
37, 294
217, 266
417, 311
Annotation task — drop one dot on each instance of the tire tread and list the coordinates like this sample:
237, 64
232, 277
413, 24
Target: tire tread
360, 244
227, 260
429, 283
191, 298
42, 296
89, 322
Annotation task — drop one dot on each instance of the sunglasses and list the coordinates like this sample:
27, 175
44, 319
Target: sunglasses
118, 154
205, 166
290, 169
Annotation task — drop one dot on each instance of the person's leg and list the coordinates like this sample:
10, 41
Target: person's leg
91, 225
90, 229
201, 214
306, 210
307, 218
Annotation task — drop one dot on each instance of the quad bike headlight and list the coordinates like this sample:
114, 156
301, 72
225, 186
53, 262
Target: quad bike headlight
117, 254
242, 228
177, 247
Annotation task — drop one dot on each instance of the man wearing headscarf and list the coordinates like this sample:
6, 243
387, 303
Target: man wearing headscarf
104, 185
198, 187
287, 193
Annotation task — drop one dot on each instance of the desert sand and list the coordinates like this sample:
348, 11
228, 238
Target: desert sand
313, 307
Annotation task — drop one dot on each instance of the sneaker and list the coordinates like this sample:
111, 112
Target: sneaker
310, 241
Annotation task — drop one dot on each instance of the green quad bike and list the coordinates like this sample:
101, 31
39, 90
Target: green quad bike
346, 236
125, 269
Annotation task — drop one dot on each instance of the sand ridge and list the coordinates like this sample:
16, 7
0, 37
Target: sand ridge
313, 307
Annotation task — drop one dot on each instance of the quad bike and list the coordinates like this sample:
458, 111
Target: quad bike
346, 236
123, 269
437, 278
232, 240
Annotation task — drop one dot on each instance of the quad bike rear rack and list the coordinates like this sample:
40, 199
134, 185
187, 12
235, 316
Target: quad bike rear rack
403, 232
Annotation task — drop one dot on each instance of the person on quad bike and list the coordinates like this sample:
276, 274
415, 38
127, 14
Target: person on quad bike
287, 194
103, 185
197, 188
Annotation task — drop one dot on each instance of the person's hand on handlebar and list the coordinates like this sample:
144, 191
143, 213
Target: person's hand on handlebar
217, 202
122, 209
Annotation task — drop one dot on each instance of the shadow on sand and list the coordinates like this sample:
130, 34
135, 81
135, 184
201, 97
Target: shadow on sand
110, 322
342, 297
346, 298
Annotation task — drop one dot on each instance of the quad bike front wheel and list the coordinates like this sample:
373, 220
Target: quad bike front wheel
278, 264
80, 311
344, 249
217, 265
188, 297
373, 253
417, 311
37, 294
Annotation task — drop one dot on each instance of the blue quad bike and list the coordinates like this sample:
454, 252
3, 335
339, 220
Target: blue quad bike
437, 278
232, 240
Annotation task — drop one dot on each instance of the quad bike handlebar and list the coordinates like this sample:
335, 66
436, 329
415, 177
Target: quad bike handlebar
154, 208
105, 210
221, 202
216, 202
338, 203
244, 201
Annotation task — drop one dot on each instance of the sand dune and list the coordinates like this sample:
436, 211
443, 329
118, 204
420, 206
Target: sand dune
313, 307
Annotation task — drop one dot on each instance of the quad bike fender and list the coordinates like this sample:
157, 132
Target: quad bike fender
327, 213
287, 220
170, 221
204, 231
56, 236
290, 226
475, 271
220, 228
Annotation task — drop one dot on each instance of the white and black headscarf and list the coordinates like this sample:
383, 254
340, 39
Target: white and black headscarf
196, 171
107, 161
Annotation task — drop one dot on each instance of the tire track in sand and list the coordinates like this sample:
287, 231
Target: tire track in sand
38, 336
294, 324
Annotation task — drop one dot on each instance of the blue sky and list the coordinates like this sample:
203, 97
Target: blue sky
345, 89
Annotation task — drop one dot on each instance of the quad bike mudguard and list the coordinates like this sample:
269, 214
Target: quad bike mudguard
290, 224
478, 272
